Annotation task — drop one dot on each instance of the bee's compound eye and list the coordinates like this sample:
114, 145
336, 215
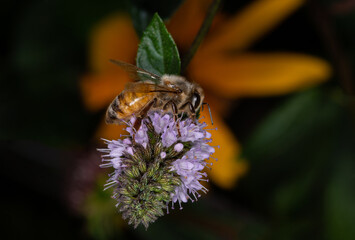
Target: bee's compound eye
196, 100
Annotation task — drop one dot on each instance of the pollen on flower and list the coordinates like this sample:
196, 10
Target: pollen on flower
162, 165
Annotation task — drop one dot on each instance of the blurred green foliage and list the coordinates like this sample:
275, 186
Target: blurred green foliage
295, 156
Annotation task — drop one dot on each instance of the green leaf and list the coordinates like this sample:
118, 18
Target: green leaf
157, 51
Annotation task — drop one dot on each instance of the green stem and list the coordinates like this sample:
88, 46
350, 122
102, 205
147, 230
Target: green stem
212, 10
329, 36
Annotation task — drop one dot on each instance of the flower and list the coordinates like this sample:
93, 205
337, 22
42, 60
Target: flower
157, 168
221, 66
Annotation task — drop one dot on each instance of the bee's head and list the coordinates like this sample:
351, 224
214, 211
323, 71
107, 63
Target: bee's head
197, 97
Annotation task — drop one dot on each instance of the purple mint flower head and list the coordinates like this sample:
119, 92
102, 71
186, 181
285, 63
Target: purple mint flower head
161, 162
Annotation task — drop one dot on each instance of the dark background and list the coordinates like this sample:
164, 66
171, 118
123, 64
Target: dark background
46, 133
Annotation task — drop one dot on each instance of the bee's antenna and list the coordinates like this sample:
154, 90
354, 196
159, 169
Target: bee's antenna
209, 109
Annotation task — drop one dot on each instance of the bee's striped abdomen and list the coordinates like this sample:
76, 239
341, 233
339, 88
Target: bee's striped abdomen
116, 103
114, 111
125, 105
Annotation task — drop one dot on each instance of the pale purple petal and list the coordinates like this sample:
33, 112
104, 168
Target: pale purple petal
169, 137
189, 167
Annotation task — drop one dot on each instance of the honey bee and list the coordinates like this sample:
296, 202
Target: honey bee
170, 93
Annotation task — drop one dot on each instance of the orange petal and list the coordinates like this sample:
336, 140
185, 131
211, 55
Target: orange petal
113, 38
109, 131
250, 24
98, 90
229, 168
258, 74
186, 21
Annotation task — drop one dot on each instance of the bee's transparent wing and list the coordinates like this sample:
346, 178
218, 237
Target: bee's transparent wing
136, 73
141, 87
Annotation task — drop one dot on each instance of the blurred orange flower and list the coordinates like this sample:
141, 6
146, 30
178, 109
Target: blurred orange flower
221, 66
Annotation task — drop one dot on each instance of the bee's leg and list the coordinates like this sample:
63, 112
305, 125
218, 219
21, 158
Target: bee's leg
137, 124
209, 110
142, 114
191, 108
175, 112
193, 112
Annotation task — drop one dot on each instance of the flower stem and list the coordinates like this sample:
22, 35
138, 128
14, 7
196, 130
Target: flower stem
212, 10
342, 66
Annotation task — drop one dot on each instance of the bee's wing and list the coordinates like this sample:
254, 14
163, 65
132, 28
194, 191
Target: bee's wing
141, 87
136, 73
